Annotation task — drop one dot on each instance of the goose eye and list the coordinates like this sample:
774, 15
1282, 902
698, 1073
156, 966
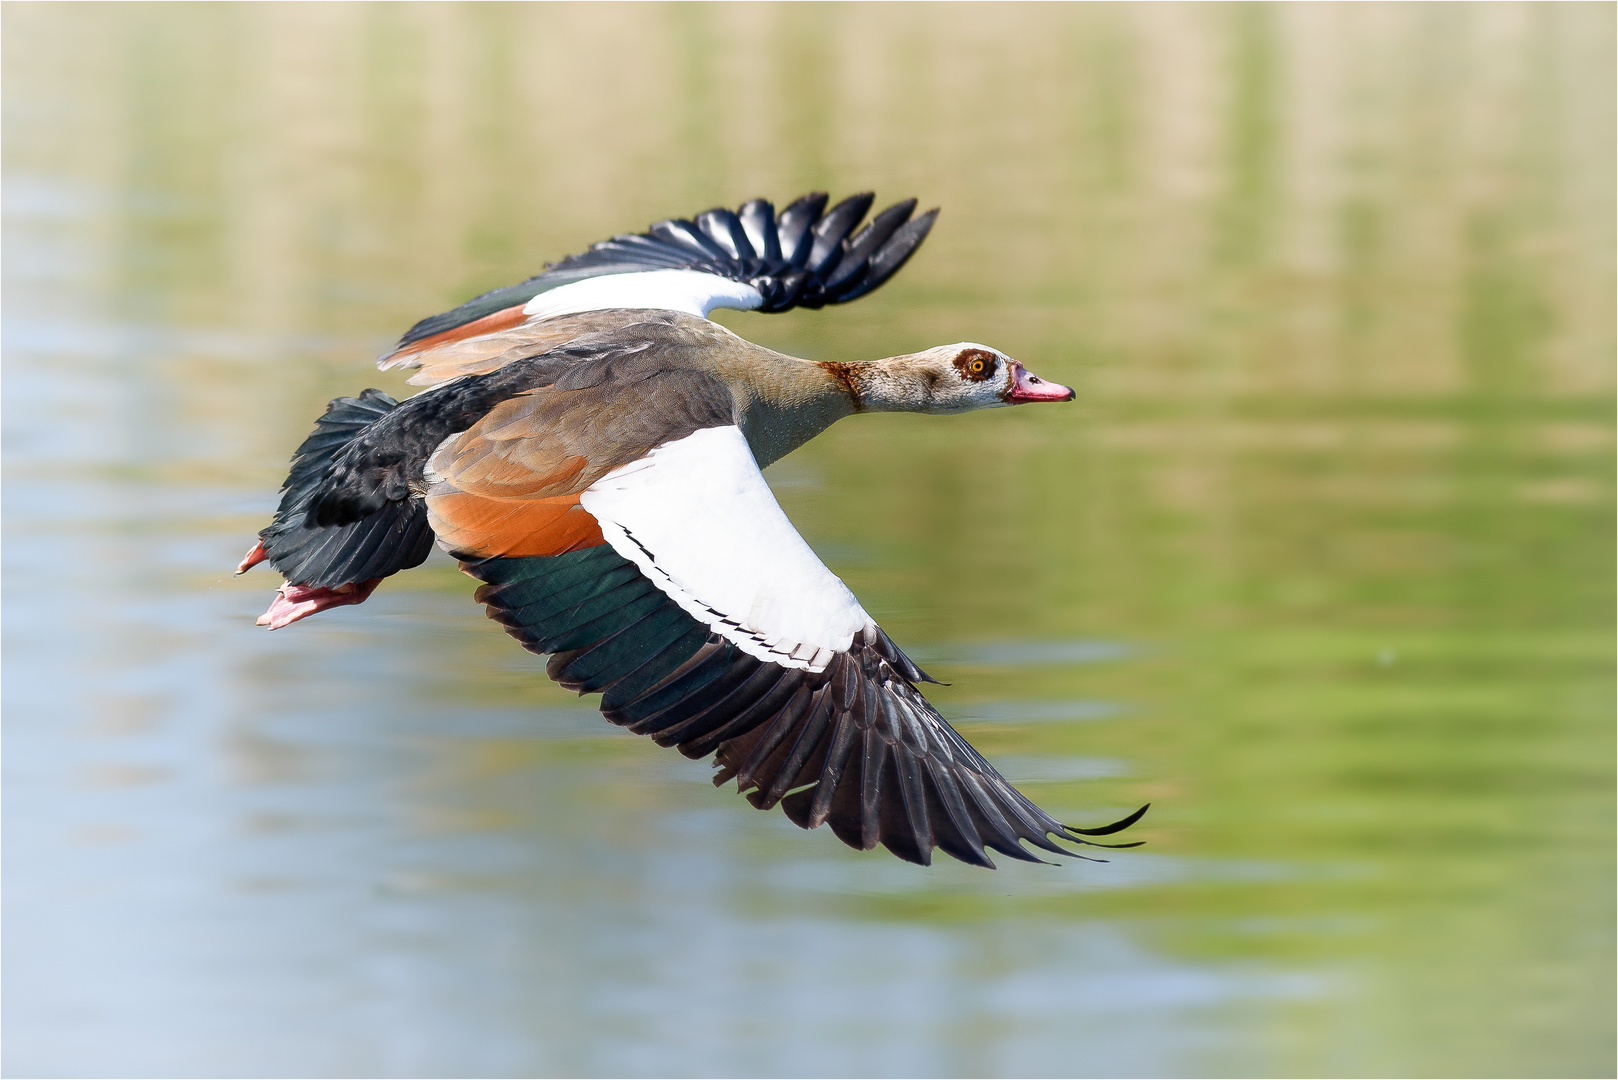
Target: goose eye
975, 365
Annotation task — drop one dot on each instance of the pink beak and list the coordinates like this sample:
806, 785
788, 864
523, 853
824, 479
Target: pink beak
1027, 387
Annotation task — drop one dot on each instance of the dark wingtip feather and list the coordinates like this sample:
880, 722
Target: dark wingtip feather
758, 221
793, 223
853, 267
892, 255
833, 229
1108, 830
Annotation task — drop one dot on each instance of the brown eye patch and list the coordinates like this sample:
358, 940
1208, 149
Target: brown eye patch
975, 365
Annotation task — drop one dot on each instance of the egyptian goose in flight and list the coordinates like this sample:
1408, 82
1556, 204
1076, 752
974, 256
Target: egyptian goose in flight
589, 447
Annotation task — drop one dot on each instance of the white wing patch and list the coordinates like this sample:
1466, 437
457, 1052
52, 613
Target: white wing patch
696, 517
691, 291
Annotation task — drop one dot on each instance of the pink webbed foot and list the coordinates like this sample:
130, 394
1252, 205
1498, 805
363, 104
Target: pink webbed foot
252, 558
294, 602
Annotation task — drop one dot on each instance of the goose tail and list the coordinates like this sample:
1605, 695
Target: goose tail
332, 565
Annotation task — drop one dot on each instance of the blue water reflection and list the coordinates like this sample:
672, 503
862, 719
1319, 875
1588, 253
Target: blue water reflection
215, 868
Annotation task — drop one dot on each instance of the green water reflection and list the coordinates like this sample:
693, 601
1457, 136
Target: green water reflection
1320, 564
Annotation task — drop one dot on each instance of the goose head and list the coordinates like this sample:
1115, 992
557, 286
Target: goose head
945, 379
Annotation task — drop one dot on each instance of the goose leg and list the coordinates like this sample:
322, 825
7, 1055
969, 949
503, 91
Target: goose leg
252, 558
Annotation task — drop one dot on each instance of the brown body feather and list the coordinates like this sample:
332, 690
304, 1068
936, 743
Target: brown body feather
509, 485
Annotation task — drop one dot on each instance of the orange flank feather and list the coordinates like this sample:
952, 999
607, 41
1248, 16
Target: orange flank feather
484, 526
485, 502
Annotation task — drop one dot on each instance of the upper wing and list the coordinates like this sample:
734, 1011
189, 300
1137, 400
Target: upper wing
710, 625
752, 259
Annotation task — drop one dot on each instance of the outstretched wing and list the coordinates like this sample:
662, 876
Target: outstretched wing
707, 623
751, 259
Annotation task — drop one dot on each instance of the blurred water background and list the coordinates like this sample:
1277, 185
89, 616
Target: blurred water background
1321, 564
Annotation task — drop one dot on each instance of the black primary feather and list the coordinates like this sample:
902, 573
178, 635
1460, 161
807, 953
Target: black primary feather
855, 746
801, 257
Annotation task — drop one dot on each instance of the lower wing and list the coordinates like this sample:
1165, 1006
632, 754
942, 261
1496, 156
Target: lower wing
707, 623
